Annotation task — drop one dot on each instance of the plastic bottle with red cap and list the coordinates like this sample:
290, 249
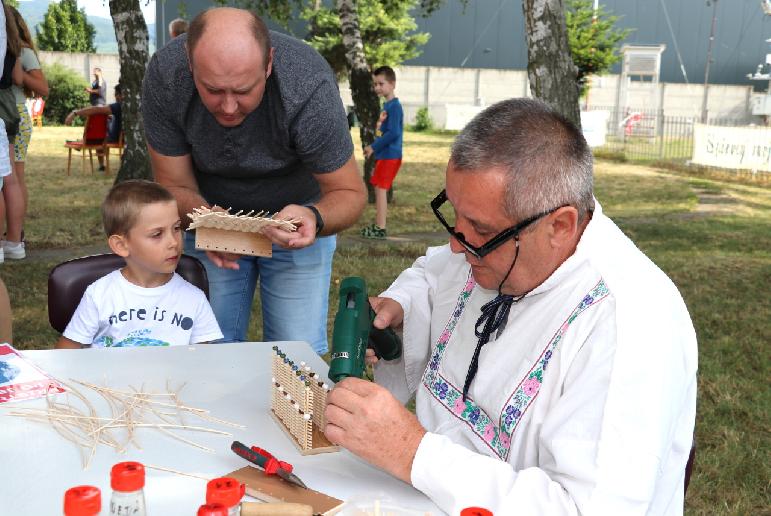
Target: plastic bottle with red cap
127, 480
226, 491
212, 509
82, 501
475, 511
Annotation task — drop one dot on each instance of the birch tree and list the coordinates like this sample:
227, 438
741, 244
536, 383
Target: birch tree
365, 101
550, 68
133, 51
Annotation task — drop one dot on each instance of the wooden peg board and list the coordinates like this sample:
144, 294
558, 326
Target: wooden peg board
229, 241
320, 443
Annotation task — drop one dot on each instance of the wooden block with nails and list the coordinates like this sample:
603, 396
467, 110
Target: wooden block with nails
219, 230
298, 400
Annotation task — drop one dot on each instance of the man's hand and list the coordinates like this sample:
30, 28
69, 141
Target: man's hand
389, 313
306, 229
367, 420
224, 260
368, 151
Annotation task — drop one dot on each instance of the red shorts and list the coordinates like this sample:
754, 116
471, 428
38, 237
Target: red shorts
385, 172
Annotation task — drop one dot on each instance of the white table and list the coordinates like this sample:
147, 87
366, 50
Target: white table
231, 380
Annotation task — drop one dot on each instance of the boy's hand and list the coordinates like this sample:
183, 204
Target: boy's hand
368, 151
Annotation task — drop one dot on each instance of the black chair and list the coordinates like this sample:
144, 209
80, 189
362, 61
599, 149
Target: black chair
68, 281
689, 466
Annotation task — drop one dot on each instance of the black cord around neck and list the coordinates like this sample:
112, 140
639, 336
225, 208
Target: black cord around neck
495, 313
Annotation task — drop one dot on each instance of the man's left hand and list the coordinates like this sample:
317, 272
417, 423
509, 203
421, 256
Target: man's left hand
366, 419
306, 229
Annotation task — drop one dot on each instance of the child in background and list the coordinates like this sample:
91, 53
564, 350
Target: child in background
34, 85
387, 148
145, 303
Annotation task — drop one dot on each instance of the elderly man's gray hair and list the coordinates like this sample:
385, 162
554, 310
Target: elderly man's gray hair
545, 157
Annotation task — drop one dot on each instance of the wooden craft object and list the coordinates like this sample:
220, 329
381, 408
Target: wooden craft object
235, 233
272, 488
298, 399
227, 241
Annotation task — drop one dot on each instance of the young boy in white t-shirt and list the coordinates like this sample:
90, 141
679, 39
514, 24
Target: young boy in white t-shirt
145, 303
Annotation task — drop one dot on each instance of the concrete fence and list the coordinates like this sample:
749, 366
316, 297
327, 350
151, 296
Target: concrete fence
83, 64
454, 95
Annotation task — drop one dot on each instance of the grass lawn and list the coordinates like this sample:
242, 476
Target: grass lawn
710, 233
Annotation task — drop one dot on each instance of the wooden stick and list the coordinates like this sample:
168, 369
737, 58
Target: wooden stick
169, 470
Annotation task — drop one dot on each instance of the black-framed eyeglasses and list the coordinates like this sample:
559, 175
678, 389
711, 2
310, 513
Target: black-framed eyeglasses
493, 243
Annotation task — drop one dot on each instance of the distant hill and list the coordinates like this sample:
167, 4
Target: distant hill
104, 40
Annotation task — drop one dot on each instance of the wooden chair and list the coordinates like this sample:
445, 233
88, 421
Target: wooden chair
68, 281
113, 145
37, 111
94, 133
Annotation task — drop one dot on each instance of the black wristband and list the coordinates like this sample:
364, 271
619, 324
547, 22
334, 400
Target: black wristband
319, 220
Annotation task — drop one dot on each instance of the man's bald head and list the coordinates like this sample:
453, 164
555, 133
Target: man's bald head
226, 27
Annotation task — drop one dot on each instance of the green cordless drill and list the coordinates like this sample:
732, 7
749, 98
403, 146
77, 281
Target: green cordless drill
353, 333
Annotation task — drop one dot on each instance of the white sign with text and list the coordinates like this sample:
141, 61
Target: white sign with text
744, 148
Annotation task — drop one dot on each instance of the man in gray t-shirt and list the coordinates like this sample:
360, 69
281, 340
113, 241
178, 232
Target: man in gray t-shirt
249, 119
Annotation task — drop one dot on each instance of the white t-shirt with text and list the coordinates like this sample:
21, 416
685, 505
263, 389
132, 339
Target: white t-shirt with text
117, 313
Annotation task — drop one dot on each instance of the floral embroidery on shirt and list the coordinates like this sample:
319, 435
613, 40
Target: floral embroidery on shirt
497, 437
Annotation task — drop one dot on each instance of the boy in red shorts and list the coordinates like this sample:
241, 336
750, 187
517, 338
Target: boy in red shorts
387, 148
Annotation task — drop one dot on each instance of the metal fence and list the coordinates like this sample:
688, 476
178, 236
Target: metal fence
649, 134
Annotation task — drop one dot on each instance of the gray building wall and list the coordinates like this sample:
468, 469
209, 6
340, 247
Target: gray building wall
490, 34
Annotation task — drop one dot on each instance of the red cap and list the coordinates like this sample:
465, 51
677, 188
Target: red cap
127, 477
82, 501
213, 509
475, 511
225, 490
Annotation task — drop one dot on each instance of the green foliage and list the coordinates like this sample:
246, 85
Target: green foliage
423, 120
182, 10
592, 38
12, 3
65, 28
66, 92
387, 31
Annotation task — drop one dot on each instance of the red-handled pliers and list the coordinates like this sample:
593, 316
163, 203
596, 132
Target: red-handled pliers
266, 461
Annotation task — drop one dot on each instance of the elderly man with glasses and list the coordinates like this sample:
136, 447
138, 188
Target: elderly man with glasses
553, 364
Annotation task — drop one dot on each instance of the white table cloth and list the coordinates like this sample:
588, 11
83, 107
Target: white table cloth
231, 380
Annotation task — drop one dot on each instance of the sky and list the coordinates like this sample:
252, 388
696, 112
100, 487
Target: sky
102, 8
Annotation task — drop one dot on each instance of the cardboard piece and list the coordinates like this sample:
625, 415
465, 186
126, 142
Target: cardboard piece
21, 379
272, 488
275, 509
229, 241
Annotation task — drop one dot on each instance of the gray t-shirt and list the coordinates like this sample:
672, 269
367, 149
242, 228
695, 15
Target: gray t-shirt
29, 62
267, 162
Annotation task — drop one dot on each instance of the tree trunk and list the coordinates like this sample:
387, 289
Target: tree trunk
365, 101
131, 33
550, 68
